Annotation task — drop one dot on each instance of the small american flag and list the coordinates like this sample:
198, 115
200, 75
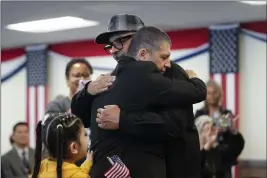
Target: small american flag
36, 87
224, 40
118, 169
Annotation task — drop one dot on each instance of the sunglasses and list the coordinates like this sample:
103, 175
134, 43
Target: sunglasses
118, 44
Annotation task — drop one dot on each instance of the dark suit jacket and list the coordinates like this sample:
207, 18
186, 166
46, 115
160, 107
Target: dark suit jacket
182, 145
146, 89
12, 165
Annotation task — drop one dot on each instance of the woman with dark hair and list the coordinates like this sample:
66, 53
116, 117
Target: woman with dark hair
76, 70
65, 137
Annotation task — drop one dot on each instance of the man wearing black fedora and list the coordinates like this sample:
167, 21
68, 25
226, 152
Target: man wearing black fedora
176, 161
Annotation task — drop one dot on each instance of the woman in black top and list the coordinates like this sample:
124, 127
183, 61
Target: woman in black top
217, 155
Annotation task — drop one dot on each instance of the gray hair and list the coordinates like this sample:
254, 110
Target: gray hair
201, 121
147, 37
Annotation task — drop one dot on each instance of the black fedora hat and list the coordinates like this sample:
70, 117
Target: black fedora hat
120, 23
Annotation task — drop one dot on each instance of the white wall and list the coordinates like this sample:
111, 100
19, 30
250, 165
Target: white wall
253, 97
252, 91
13, 106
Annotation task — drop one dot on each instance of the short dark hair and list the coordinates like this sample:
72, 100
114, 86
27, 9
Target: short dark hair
75, 61
11, 140
147, 37
20, 124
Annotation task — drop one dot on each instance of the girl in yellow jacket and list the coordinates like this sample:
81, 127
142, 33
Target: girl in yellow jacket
66, 140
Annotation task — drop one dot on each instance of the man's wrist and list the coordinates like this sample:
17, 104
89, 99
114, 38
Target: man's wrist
87, 85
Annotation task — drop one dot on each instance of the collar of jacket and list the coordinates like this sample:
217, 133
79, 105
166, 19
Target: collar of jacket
124, 58
122, 61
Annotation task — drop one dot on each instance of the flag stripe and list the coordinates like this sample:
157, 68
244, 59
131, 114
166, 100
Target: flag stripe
45, 97
236, 170
223, 84
36, 83
41, 102
27, 105
218, 78
32, 115
36, 106
229, 84
212, 77
230, 92
237, 97
223, 41
118, 169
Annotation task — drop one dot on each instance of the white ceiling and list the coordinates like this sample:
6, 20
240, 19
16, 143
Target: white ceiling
166, 15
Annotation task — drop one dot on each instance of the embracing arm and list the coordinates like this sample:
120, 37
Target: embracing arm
170, 91
81, 105
82, 101
164, 124
177, 92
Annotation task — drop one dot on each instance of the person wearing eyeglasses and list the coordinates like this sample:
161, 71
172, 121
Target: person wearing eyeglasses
181, 131
76, 70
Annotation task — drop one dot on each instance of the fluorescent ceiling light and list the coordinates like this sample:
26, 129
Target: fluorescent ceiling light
50, 25
256, 3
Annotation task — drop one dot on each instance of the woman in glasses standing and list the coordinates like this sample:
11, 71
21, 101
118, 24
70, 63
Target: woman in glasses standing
76, 70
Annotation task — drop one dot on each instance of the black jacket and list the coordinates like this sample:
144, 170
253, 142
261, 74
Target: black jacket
218, 161
226, 153
146, 90
188, 142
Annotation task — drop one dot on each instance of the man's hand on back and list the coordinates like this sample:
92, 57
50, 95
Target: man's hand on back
191, 73
101, 84
108, 117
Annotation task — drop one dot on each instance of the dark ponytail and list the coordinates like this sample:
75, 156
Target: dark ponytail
60, 143
58, 130
38, 150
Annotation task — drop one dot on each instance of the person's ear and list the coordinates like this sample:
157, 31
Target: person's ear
74, 148
143, 54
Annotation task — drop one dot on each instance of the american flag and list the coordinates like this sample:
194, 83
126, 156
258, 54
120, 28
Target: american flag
36, 87
118, 169
224, 66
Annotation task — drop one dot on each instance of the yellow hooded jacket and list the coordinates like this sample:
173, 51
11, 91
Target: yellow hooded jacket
48, 169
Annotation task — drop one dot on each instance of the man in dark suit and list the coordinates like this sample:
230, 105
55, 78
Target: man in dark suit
147, 89
19, 161
182, 148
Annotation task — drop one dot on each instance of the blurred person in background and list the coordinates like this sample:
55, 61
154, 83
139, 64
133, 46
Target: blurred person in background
230, 141
19, 161
212, 105
77, 70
